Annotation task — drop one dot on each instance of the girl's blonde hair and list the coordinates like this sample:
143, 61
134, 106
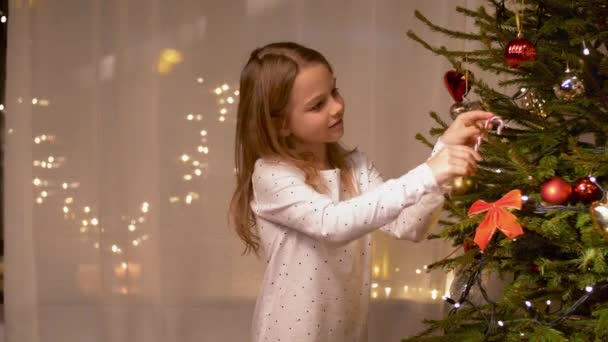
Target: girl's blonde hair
265, 88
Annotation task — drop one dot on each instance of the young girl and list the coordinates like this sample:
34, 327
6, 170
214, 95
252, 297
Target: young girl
309, 204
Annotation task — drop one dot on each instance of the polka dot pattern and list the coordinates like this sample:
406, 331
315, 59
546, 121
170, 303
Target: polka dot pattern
317, 247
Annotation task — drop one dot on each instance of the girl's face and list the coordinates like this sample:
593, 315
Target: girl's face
316, 109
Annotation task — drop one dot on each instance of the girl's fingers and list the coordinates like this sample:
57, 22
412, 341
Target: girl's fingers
470, 118
462, 151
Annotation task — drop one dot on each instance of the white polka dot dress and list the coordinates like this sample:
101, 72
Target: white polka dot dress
317, 247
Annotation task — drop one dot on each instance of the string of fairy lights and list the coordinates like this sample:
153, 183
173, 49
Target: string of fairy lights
475, 280
64, 193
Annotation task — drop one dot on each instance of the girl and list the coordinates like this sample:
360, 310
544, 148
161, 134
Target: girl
310, 204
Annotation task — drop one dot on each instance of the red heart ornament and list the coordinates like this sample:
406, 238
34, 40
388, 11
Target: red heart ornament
456, 83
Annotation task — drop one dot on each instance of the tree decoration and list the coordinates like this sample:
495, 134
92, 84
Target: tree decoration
497, 218
556, 191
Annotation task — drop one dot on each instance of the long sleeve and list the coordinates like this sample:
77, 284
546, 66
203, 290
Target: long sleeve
281, 196
413, 221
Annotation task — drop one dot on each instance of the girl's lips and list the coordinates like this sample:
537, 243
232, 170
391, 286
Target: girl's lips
336, 124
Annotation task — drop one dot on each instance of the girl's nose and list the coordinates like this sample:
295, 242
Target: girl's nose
337, 107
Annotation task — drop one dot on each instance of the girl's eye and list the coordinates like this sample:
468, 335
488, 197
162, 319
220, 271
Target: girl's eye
318, 106
335, 91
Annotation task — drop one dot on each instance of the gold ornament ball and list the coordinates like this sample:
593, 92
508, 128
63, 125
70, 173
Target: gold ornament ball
599, 213
462, 185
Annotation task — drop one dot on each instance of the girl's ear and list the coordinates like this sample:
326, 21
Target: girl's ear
280, 125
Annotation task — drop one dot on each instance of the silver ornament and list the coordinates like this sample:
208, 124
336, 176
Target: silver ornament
459, 286
569, 86
465, 106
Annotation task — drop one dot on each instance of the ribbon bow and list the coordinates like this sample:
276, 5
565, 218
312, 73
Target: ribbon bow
497, 217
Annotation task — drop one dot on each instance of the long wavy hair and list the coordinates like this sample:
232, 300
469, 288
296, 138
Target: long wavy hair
265, 88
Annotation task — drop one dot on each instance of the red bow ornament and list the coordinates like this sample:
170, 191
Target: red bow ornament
497, 217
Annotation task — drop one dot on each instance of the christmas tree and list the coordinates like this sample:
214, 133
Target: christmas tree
535, 213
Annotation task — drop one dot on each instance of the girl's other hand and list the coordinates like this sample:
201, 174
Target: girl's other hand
465, 129
453, 161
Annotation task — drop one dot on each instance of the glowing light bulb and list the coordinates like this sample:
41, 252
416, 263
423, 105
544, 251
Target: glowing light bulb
528, 303
387, 291
434, 294
500, 323
376, 270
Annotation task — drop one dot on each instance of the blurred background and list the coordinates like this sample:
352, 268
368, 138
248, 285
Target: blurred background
118, 159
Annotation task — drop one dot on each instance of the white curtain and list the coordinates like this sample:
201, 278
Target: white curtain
119, 159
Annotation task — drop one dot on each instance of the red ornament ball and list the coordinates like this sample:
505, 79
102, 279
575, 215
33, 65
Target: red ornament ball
555, 191
586, 191
519, 50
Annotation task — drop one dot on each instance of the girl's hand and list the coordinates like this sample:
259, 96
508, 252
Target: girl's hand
466, 127
453, 161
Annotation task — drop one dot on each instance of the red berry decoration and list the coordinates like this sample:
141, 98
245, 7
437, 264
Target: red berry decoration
468, 245
556, 191
586, 191
519, 50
